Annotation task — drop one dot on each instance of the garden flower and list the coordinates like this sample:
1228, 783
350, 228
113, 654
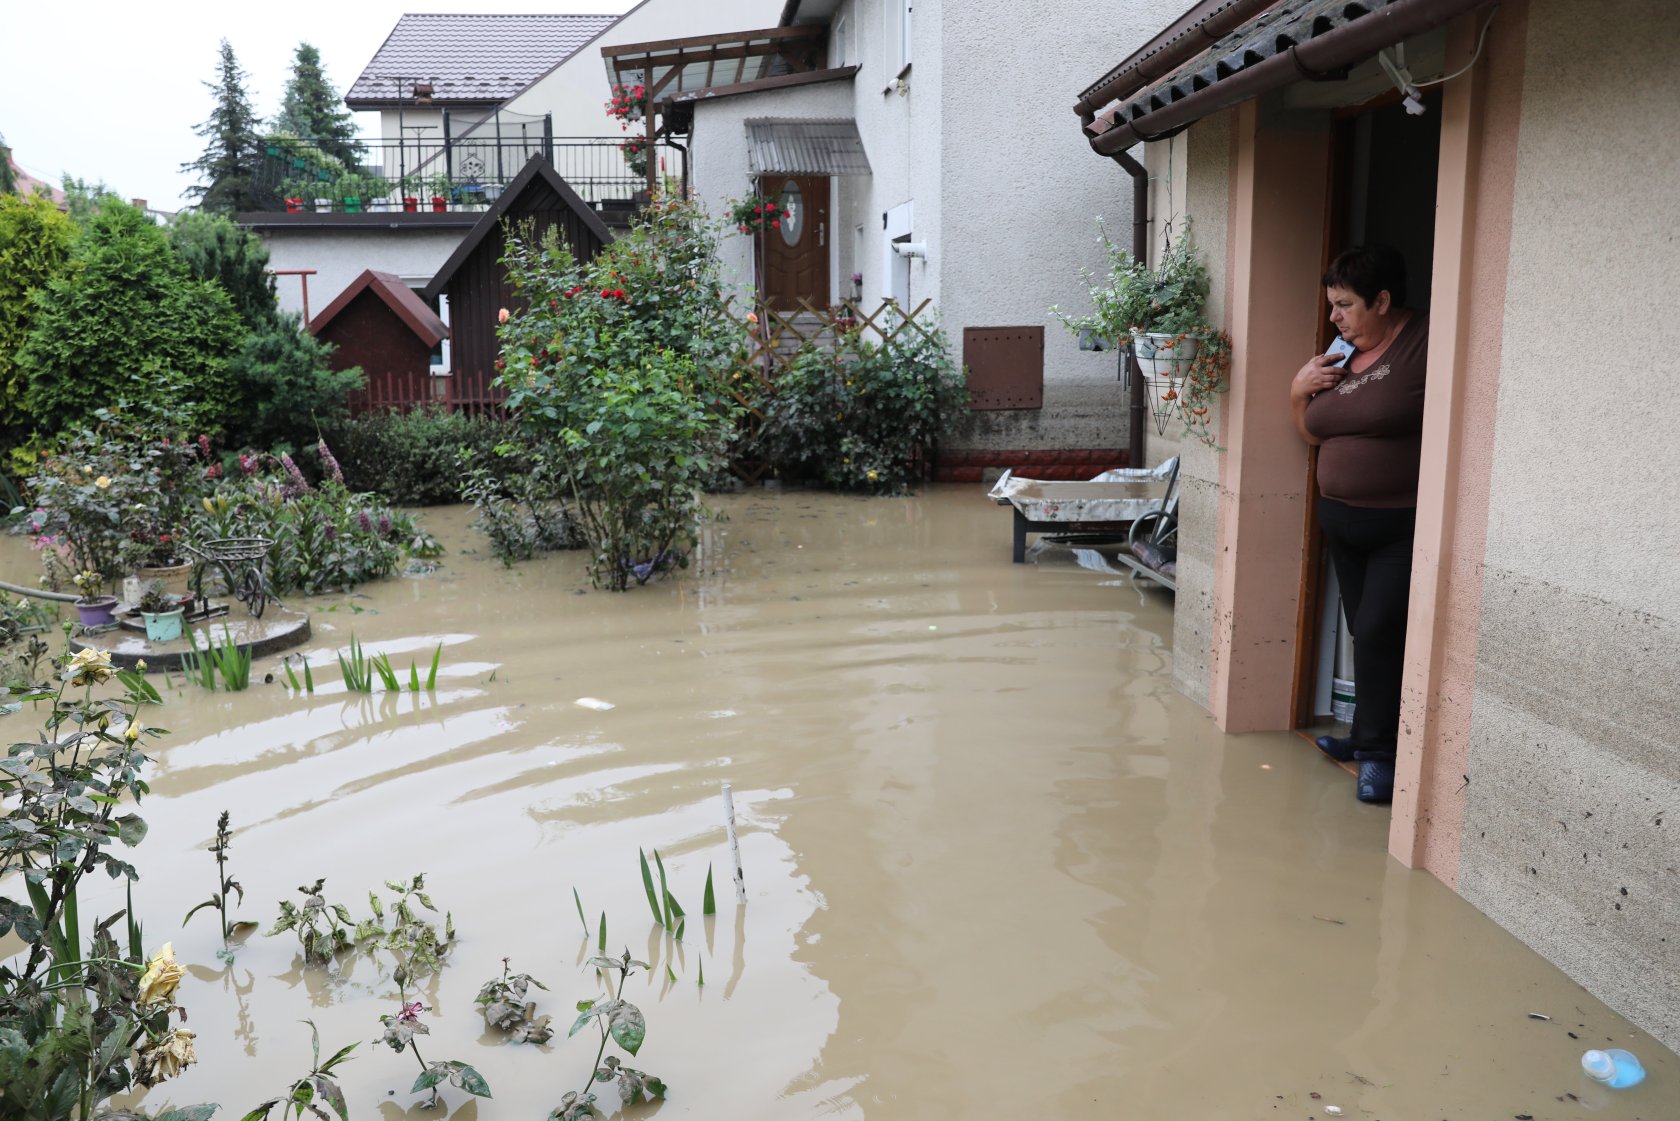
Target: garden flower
158, 1060
134, 729
102, 482
162, 977
329, 462
89, 667
502, 316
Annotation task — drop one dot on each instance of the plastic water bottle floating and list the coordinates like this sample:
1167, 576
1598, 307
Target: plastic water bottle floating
1615, 1068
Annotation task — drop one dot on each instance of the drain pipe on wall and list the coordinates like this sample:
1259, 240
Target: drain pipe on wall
1140, 251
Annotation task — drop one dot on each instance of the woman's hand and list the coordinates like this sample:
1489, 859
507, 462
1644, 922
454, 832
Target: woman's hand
1320, 373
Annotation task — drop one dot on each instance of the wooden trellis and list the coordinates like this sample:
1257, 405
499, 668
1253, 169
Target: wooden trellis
774, 340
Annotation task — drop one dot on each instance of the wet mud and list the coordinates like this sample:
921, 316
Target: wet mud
994, 863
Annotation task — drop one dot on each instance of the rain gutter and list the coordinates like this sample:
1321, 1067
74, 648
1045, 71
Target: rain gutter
1328, 54
1189, 35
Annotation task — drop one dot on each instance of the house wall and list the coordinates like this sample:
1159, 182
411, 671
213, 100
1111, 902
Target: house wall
1022, 196
577, 90
1571, 836
339, 256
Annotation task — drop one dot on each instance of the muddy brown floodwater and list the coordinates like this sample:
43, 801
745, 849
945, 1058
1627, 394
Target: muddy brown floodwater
994, 864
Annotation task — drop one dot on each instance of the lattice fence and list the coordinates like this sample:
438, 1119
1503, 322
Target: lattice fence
774, 339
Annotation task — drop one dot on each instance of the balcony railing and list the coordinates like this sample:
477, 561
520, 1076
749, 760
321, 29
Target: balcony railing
466, 172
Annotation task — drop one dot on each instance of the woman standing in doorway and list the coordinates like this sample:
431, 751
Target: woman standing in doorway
1364, 411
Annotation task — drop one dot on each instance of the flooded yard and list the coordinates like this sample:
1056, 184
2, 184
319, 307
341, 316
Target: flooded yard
994, 864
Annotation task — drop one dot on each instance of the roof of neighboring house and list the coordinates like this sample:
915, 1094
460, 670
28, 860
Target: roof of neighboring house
397, 296
469, 58
27, 184
536, 173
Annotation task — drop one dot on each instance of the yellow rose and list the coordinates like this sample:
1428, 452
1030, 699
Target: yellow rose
102, 482
90, 666
158, 1060
133, 732
163, 975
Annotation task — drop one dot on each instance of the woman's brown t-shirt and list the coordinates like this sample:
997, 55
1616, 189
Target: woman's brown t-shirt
1371, 425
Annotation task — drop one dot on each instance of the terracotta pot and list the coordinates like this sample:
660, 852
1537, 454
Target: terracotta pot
175, 578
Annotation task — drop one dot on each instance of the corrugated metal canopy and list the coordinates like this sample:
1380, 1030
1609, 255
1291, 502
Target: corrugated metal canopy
802, 147
667, 67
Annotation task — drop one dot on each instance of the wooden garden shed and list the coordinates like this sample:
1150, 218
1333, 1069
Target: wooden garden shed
382, 325
476, 282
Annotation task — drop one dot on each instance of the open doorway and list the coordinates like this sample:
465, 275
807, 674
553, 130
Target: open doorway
1384, 164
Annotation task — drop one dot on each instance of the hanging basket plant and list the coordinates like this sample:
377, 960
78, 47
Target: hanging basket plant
751, 215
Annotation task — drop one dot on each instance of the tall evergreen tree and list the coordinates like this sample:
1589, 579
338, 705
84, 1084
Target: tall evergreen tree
312, 110
230, 163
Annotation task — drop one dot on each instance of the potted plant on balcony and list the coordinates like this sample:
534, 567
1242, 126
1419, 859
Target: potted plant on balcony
1161, 313
162, 613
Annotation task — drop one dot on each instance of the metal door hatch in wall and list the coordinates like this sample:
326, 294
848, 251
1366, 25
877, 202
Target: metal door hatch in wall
1005, 367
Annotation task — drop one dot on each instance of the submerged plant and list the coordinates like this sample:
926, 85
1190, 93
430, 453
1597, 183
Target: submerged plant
619, 1022
503, 1002
322, 929
229, 659
417, 942
318, 1086
399, 1033
225, 885
358, 672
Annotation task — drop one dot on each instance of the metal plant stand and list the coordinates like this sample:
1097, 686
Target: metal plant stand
241, 562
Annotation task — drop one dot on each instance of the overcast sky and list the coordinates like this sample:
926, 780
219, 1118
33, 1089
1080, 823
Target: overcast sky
113, 91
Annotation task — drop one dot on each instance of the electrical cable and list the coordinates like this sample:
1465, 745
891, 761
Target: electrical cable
1480, 40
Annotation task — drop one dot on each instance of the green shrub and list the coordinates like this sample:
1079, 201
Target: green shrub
411, 458
34, 250
291, 390
520, 512
616, 368
126, 310
855, 417
213, 248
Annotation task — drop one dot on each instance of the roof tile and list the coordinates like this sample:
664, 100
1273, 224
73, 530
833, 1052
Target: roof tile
470, 57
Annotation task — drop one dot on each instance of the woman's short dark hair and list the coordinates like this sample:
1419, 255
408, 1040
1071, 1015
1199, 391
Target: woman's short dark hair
1368, 270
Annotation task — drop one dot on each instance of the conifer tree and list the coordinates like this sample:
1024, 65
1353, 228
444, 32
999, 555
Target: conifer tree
312, 110
229, 167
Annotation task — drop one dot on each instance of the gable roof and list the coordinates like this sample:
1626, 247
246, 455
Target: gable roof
469, 58
536, 172
397, 296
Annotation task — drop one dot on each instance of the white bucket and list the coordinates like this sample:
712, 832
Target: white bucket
1341, 700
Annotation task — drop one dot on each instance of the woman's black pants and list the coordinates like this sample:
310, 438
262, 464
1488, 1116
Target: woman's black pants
1371, 548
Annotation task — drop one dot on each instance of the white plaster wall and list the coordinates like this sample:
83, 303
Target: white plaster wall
1575, 737
339, 256
718, 166
577, 90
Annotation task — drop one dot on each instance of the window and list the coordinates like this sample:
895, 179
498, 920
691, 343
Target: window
898, 37
842, 42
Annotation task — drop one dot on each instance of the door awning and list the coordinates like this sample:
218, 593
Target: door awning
803, 147
1289, 41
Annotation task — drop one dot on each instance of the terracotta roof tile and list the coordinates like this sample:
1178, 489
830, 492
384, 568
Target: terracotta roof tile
485, 58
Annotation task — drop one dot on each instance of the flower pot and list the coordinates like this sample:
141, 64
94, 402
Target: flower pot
294, 206
175, 578
96, 612
410, 204
352, 204
323, 206
1164, 361
163, 626
439, 203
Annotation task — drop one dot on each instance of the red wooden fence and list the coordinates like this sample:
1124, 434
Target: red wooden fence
402, 391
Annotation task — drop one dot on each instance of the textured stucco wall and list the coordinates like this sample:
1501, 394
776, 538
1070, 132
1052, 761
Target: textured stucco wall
1572, 822
338, 257
1023, 192
576, 91
1205, 197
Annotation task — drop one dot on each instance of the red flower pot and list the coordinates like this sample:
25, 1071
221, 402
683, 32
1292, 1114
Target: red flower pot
410, 205
294, 206
439, 203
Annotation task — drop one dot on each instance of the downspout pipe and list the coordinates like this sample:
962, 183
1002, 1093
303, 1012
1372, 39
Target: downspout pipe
1326, 54
1138, 410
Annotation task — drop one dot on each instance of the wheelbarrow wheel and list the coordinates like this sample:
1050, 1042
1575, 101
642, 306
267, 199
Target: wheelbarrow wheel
254, 592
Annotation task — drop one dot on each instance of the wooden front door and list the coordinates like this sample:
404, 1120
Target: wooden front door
794, 256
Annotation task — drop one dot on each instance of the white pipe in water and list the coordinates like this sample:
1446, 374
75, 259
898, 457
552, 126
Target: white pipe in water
734, 843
